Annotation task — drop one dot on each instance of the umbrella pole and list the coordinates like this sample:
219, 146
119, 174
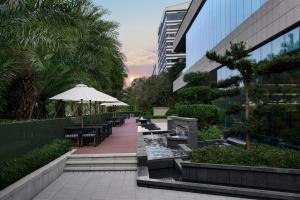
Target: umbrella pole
81, 113
90, 108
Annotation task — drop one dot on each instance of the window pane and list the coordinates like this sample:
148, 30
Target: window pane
255, 55
292, 40
266, 52
278, 46
247, 9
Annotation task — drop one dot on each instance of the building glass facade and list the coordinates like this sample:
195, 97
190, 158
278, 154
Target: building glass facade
286, 43
216, 20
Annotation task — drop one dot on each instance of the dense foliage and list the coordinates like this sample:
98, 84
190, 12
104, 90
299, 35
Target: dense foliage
13, 170
257, 155
210, 133
49, 46
157, 90
206, 114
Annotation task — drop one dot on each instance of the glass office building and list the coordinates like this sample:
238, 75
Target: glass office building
267, 27
219, 17
171, 21
287, 42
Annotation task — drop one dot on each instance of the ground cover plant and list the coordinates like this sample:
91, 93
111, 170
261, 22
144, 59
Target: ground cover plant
257, 155
210, 133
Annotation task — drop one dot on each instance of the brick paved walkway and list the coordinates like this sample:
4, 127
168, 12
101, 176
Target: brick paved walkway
122, 140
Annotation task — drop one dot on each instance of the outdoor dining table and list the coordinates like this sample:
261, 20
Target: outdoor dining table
77, 132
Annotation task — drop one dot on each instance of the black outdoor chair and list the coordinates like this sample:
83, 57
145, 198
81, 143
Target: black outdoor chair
91, 133
73, 134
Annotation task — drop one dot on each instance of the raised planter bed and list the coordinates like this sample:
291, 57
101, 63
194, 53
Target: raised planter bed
242, 176
32, 184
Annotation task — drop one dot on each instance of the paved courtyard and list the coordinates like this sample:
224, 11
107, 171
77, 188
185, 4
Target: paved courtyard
112, 186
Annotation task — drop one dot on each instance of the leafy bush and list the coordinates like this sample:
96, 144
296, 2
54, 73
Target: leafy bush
198, 94
197, 78
258, 155
211, 133
171, 112
206, 114
13, 170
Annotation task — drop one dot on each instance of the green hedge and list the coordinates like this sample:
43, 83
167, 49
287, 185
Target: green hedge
258, 155
13, 170
20, 137
171, 112
206, 114
210, 133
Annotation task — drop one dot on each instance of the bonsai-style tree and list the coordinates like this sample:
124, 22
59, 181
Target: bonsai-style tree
236, 59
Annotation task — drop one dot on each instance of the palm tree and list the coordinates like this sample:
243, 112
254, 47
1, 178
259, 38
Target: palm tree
43, 37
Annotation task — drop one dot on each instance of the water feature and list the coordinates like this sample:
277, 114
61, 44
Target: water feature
156, 148
181, 132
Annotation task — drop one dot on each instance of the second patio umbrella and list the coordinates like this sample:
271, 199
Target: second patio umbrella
83, 93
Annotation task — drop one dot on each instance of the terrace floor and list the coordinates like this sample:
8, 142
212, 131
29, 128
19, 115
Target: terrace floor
112, 186
122, 140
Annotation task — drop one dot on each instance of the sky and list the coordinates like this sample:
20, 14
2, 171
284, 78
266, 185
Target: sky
138, 26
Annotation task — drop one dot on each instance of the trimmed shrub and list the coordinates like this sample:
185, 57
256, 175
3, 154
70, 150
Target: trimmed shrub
211, 133
258, 155
171, 112
206, 114
197, 78
13, 170
198, 94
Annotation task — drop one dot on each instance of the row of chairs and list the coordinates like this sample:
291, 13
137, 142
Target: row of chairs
95, 132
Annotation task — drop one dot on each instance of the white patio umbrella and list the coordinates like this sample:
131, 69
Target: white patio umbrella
114, 104
82, 93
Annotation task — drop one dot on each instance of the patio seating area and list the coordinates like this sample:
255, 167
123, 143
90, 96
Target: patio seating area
123, 139
94, 132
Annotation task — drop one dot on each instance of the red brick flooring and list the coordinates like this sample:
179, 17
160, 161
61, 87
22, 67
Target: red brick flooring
122, 140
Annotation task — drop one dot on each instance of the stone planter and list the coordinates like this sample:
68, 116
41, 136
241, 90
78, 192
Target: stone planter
242, 176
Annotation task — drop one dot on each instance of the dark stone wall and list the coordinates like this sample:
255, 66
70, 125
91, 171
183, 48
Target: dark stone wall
243, 176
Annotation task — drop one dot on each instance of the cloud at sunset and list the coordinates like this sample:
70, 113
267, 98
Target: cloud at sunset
139, 64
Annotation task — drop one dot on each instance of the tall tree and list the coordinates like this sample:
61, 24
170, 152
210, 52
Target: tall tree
42, 38
236, 58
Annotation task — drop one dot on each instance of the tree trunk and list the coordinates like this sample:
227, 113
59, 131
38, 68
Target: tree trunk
25, 93
247, 115
60, 109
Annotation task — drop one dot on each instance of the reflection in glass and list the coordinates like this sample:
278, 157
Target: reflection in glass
266, 51
278, 46
255, 55
292, 40
214, 22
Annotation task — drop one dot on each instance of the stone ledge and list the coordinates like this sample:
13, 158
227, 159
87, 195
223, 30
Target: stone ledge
241, 168
32, 184
187, 149
141, 150
183, 118
145, 181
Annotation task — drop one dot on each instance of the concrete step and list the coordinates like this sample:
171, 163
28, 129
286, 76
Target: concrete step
102, 157
101, 162
83, 169
118, 163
